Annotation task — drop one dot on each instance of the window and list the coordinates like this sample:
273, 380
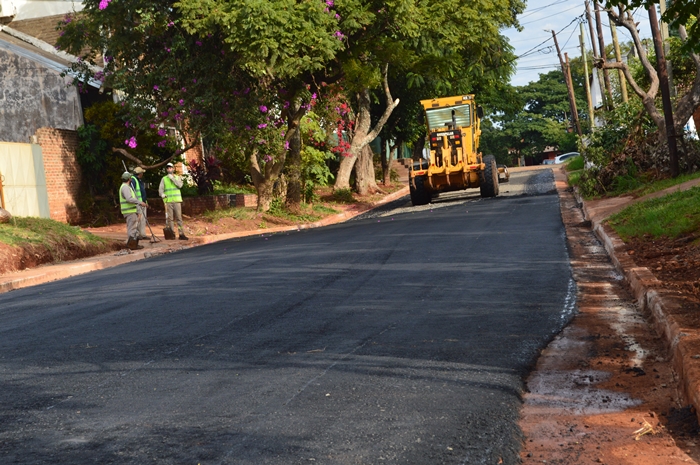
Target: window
441, 117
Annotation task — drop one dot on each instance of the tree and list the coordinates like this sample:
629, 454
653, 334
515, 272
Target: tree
686, 104
207, 67
447, 40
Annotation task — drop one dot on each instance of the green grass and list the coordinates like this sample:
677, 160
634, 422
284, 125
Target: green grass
233, 189
665, 183
574, 164
44, 231
671, 216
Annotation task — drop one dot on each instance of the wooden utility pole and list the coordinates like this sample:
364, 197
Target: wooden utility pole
618, 58
589, 97
573, 96
665, 93
606, 77
569, 86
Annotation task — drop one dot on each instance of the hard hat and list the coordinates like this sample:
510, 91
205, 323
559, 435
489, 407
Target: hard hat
126, 176
139, 170
169, 165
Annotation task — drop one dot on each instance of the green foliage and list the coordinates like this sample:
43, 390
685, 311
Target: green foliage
343, 196
574, 164
670, 216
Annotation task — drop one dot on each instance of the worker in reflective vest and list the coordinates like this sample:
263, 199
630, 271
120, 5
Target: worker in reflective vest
169, 191
140, 190
128, 204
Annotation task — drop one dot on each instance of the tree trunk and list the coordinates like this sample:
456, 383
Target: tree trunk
418, 147
293, 165
386, 165
264, 179
362, 134
342, 179
366, 182
265, 195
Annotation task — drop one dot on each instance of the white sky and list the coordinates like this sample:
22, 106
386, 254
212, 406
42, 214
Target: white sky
535, 45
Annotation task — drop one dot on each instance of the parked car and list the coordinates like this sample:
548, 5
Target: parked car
548, 161
565, 156
503, 174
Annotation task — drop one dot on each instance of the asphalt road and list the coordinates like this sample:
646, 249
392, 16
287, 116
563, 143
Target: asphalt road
402, 337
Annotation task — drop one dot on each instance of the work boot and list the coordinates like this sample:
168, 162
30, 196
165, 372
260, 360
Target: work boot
182, 237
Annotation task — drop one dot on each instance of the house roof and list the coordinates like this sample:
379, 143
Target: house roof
37, 50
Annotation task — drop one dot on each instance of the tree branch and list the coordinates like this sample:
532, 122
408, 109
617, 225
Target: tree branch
161, 163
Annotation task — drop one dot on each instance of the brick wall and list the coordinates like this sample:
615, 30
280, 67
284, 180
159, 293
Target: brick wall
58, 147
197, 205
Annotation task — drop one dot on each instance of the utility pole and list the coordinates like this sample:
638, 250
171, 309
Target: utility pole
572, 95
618, 58
606, 77
665, 93
589, 97
667, 47
569, 87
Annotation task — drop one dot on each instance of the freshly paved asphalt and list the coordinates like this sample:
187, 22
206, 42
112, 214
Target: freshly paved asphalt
402, 337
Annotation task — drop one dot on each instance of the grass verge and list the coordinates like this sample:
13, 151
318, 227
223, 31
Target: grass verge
672, 216
28, 242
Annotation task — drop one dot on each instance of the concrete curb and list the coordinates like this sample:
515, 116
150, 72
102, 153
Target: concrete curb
47, 273
684, 348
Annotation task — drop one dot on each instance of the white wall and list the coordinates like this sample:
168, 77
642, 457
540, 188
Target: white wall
29, 9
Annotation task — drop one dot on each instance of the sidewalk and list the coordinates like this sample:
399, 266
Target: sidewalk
47, 273
682, 343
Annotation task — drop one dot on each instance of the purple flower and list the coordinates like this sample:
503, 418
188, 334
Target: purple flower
131, 142
181, 102
162, 143
183, 90
155, 87
329, 3
247, 128
337, 16
267, 158
107, 58
198, 43
162, 132
103, 4
263, 109
314, 96
170, 24
126, 124
262, 125
286, 145
167, 49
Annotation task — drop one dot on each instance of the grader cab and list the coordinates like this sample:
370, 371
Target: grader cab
454, 128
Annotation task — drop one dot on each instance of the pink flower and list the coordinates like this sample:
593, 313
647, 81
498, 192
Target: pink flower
103, 4
131, 142
162, 143
329, 3
155, 87
198, 43
286, 145
262, 126
162, 132
170, 24
263, 109
181, 102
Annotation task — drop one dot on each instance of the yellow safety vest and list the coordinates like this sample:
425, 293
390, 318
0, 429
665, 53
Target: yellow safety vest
171, 191
137, 191
126, 207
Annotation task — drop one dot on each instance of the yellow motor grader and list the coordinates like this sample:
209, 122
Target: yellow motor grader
454, 127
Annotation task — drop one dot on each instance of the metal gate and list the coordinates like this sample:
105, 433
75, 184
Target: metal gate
22, 180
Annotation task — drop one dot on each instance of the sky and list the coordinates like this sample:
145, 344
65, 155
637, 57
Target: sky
535, 46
